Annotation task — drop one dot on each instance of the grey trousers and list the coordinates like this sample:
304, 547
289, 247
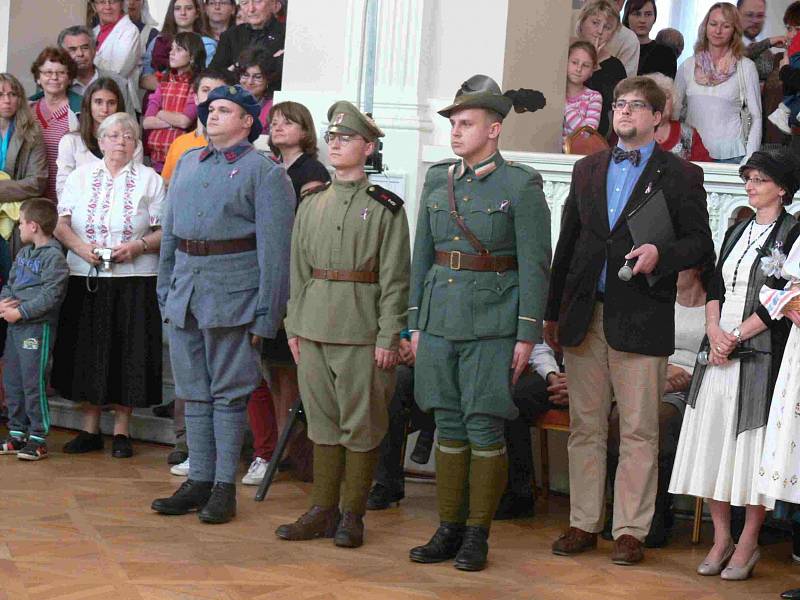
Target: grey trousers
215, 371
27, 355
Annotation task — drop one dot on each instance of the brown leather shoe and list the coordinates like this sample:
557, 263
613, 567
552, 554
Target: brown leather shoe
350, 533
317, 522
574, 541
627, 551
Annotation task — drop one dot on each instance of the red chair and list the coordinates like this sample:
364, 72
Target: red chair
585, 140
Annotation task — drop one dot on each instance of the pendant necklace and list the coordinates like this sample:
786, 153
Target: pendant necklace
747, 249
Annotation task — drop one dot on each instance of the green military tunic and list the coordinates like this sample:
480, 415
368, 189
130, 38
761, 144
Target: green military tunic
503, 204
339, 322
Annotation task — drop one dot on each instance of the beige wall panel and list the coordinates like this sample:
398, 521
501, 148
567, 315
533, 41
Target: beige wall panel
537, 38
34, 24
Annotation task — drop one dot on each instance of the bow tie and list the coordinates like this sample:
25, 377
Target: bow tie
618, 154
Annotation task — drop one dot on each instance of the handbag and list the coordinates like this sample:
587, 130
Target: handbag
744, 111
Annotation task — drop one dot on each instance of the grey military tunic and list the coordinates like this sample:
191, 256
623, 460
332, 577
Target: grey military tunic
214, 303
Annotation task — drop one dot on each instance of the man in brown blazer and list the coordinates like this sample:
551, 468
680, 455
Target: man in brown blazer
617, 335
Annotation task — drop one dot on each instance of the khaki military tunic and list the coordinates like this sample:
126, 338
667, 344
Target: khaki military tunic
340, 322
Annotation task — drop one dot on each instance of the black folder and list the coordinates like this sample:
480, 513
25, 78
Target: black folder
650, 223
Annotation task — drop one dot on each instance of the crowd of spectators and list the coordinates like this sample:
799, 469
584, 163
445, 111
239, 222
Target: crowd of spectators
734, 94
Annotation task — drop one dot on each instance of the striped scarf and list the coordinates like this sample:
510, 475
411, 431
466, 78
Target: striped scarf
174, 94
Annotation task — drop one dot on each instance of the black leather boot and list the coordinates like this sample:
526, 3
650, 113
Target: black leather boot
474, 549
192, 495
221, 506
422, 449
382, 497
442, 546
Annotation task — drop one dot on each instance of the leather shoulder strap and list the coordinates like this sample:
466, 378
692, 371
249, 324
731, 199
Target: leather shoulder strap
315, 190
451, 198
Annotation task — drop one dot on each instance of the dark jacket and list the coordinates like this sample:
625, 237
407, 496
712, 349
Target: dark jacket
38, 279
757, 374
637, 318
236, 39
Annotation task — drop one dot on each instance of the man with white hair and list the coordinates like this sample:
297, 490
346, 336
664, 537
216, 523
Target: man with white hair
79, 43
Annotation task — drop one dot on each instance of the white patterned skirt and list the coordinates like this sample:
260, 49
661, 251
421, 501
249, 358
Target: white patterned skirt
780, 464
712, 461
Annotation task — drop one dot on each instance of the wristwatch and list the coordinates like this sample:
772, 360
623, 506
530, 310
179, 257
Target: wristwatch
737, 334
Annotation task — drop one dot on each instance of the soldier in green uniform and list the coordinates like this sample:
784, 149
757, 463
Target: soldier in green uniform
347, 306
479, 281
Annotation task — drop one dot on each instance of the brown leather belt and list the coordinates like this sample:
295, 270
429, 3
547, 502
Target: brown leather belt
209, 247
341, 275
475, 262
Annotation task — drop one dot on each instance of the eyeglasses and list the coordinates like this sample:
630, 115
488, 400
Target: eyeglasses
634, 105
116, 137
246, 3
343, 139
252, 77
218, 3
756, 181
106, 2
53, 74
9, 95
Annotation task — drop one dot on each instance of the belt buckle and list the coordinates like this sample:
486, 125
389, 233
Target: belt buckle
455, 264
198, 247
333, 275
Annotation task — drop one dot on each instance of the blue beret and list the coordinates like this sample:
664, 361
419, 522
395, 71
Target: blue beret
239, 95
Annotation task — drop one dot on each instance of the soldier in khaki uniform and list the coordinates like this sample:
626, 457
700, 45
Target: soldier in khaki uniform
478, 287
349, 286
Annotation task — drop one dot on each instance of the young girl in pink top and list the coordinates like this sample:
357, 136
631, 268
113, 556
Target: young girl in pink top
583, 105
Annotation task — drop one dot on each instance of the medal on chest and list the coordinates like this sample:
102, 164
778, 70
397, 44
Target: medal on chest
364, 214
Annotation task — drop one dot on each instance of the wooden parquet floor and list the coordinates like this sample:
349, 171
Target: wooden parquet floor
80, 527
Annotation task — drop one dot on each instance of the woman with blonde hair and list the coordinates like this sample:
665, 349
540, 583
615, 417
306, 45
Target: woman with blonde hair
597, 23
23, 156
717, 89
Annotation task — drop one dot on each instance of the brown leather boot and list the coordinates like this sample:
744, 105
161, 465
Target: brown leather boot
627, 551
573, 541
350, 533
317, 522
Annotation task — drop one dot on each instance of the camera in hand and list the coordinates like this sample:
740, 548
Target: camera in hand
106, 260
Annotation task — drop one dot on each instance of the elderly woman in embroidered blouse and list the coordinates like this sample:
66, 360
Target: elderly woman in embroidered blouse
108, 352
712, 85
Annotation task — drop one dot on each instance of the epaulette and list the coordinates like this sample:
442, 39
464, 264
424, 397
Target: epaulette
445, 163
527, 168
389, 199
315, 190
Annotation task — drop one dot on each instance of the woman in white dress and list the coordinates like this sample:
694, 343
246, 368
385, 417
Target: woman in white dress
719, 452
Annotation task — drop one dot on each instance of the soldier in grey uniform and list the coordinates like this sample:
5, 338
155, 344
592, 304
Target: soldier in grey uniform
223, 284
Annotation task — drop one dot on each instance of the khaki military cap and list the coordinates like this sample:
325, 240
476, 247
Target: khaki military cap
347, 119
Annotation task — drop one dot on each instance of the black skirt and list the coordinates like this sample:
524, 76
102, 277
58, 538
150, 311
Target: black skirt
108, 346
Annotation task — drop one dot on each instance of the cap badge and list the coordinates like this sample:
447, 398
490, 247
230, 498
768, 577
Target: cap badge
232, 90
338, 119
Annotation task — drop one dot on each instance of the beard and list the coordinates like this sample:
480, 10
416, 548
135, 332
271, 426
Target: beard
626, 132
752, 32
